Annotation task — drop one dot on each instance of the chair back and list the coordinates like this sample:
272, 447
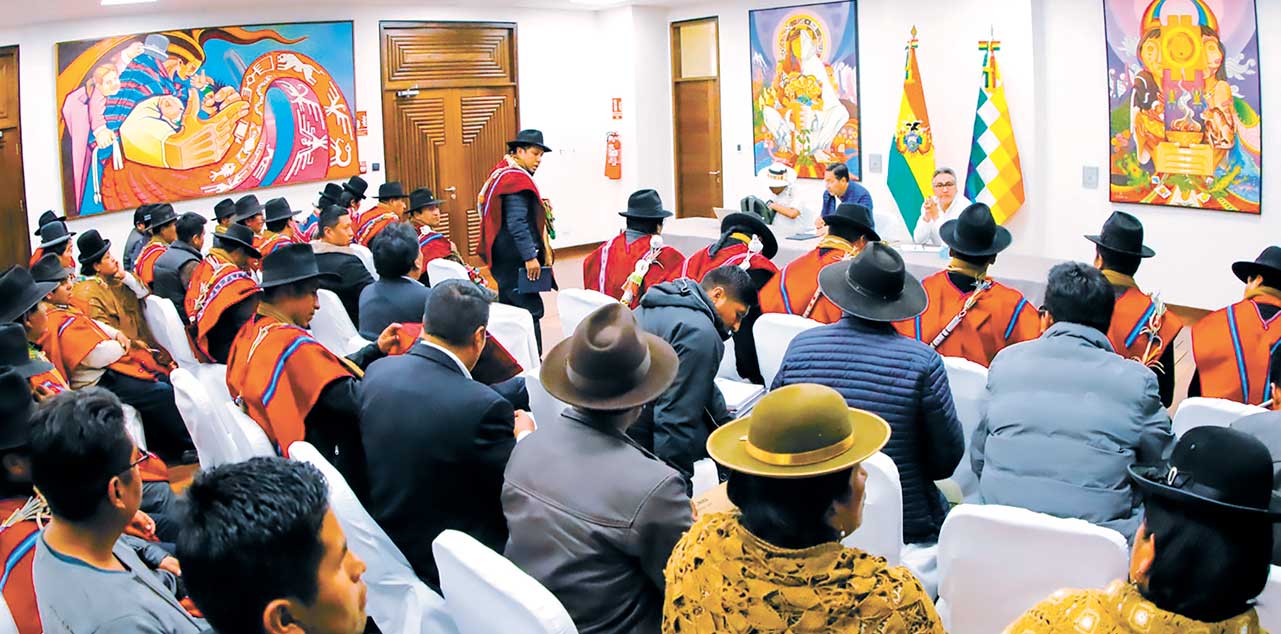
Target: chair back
166, 326
1209, 412
969, 393
248, 438
575, 304
882, 531
487, 593
442, 269
514, 328
7, 623
331, 325
545, 407
366, 257
773, 333
133, 425
996, 562
1268, 605
398, 600
213, 445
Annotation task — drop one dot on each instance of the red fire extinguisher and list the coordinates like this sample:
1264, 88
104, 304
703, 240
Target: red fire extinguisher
613, 156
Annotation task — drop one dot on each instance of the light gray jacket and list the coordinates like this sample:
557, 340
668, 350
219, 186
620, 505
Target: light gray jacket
1066, 417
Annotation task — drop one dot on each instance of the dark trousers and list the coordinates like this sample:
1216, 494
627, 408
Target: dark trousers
159, 501
506, 272
167, 436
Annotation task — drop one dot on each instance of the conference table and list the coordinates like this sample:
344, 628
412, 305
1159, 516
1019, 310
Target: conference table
1026, 273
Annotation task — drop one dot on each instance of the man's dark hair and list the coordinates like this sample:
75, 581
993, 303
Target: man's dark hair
329, 217
975, 260
1079, 294
1123, 263
78, 444
736, 282
644, 225
847, 232
191, 225
395, 249
454, 310
251, 535
293, 290
788, 513
839, 171
277, 226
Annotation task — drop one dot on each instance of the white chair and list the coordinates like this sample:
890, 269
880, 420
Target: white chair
165, 325
575, 304
356, 343
545, 407
331, 325
133, 424
729, 364
249, 439
213, 445
514, 328
6, 619
214, 377
398, 600
773, 333
996, 562
487, 593
882, 531
1209, 412
366, 257
1268, 605
442, 269
969, 393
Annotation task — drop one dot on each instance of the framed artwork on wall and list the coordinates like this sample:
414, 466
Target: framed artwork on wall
215, 111
1184, 103
805, 102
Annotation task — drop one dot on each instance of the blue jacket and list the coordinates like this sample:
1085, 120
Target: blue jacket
1065, 418
901, 380
856, 193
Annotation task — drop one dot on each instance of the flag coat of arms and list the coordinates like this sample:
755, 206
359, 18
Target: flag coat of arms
995, 176
912, 153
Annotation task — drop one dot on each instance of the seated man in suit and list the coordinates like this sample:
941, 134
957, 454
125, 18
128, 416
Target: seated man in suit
612, 269
335, 256
176, 265
795, 291
1230, 346
397, 296
438, 465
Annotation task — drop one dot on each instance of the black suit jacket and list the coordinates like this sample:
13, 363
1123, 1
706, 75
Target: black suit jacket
391, 301
354, 277
436, 444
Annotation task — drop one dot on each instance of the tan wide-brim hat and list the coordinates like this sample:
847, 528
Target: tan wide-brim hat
609, 364
799, 431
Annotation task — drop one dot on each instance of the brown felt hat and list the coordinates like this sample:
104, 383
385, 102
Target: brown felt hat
609, 363
799, 431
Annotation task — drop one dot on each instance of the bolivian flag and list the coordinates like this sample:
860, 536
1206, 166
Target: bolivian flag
912, 153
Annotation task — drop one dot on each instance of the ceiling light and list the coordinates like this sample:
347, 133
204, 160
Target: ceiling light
112, 3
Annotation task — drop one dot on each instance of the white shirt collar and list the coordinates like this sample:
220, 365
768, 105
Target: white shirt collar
450, 354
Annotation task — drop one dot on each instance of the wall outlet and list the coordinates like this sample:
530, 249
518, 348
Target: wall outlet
1090, 177
875, 163
739, 147
377, 166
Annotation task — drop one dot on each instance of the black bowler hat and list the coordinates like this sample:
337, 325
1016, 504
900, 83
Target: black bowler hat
160, 215
49, 268
1215, 469
347, 199
225, 208
16, 407
645, 205
247, 207
422, 197
48, 217
330, 195
290, 264
528, 137
19, 292
874, 285
356, 186
975, 232
15, 352
241, 236
1268, 263
855, 215
1122, 233
54, 233
140, 214
92, 246
752, 225
279, 209
390, 191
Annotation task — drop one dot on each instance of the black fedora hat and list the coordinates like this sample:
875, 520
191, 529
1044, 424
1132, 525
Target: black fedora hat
242, 236
49, 268
48, 217
16, 352
422, 197
528, 137
225, 208
1215, 469
330, 195
19, 292
975, 232
646, 205
54, 233
141, 213
391, 190
16, 407
1122, 233
855, 215
279, 209
356, 186
247, 207
754, 225
292, 263
160, 215
609, 363
1268, 263
92, 246
874, 285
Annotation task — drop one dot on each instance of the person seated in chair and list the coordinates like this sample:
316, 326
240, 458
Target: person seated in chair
278, 225
1230, 346
55, 238
397, 296
795, 291
347, 274
423, 213
612, 269
109, 294
224, 215
161, 224
138, 236
250, 213
176, 266
1265, 426
392, 201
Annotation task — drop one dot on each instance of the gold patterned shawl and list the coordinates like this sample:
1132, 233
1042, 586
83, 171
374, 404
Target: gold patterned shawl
1119, 609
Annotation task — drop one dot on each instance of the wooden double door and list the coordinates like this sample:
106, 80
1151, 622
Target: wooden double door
449, 108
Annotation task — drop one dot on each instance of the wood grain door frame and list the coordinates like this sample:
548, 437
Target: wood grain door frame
675, 44
17, 247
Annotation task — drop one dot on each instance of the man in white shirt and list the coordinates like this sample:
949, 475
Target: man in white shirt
943, 206
790, 216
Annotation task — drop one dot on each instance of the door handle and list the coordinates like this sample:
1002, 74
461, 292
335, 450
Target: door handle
451, 189
453, 192
716, 173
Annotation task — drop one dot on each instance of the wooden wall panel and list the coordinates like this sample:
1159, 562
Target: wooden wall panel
435, 55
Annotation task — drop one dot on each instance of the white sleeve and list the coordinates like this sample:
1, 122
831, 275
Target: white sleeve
924, 232
103, 355
108, 328
135, 286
